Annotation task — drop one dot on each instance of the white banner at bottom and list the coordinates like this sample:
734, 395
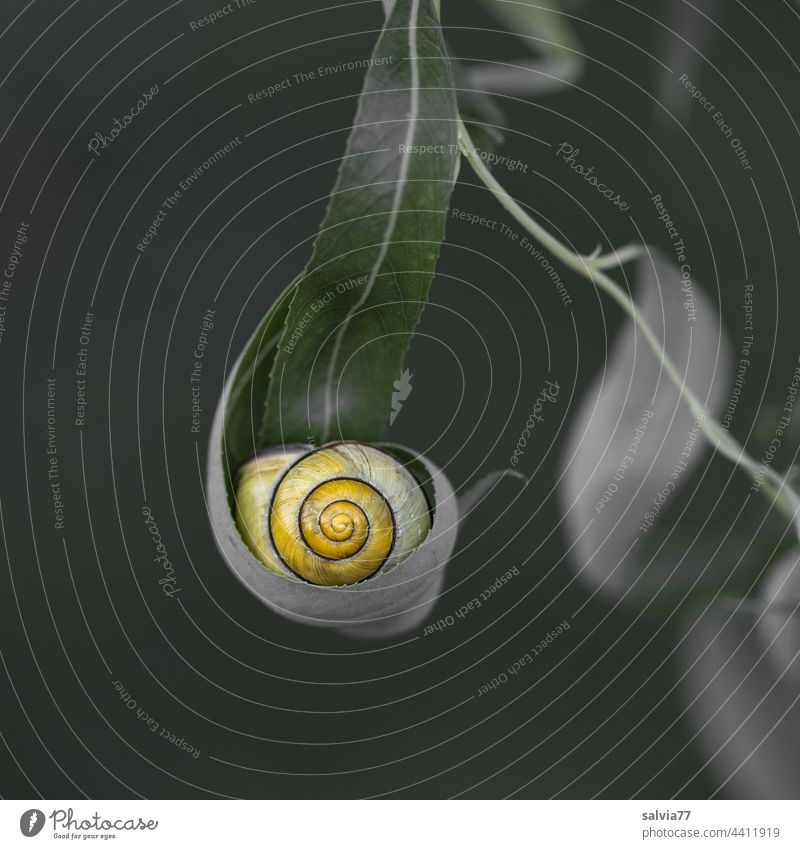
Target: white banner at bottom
465, 824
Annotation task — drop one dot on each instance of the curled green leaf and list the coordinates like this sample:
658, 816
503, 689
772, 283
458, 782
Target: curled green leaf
356, 305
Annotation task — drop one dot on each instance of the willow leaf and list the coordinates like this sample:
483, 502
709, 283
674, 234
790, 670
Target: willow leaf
248, 391
634, 443
541, 24
357, 303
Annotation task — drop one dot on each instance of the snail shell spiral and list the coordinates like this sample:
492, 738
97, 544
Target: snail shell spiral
332, 516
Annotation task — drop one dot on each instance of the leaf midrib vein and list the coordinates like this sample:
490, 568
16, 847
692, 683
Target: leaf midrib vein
392, 222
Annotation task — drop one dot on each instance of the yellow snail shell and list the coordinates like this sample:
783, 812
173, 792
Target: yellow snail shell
332, 516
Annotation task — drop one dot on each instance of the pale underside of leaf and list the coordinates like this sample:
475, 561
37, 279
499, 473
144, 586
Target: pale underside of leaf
739, 674
544, 28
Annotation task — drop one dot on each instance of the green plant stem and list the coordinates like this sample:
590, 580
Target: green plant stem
786, 499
